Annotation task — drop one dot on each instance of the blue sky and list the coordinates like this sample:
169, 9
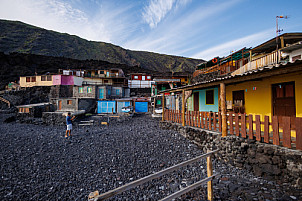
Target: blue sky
191, 28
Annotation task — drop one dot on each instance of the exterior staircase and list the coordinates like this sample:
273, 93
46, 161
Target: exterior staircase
6, 101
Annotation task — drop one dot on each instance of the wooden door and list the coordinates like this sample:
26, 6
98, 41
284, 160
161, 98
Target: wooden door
284, 99
60, 105
196, 101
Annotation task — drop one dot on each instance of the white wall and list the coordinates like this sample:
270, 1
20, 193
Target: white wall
139, 84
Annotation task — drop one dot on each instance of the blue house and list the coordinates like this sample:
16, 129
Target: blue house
205, 100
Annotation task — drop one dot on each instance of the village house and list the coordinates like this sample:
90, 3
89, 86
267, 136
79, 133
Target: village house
266, 88
139, 80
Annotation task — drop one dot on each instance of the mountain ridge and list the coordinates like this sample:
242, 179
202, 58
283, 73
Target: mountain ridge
16, 36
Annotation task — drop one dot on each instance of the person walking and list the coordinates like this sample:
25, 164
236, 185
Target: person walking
69, 124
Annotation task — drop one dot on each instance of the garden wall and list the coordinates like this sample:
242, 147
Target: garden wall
266, 160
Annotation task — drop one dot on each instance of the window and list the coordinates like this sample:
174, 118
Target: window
89, 89
23, 110
43, 78
27, 79
210, 97
101, 72
69, 102
149, 77
49, 78
81, 90
117, 92
238, 97
136, 77
33, 79
158, 102
101, 93
105, 81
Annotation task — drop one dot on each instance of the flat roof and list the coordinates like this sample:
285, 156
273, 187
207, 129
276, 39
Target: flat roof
34, 105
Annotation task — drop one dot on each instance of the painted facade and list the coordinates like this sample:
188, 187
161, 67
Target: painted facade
208, 100
67, 80
38, 80
258, 95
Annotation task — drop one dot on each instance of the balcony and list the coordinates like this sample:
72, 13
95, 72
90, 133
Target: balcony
262, 61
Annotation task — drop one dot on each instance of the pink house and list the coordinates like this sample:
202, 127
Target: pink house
67, 80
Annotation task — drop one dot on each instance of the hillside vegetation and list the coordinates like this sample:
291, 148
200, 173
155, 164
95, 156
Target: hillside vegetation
23, 38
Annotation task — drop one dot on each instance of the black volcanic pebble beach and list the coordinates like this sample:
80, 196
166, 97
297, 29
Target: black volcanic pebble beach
38, 163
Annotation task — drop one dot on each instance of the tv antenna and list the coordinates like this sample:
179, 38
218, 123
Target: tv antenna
278, 30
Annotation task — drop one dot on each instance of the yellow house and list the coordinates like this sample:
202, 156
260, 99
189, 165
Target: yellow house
36, 80
276, 95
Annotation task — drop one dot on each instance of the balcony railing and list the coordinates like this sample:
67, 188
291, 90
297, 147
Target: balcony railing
266, 60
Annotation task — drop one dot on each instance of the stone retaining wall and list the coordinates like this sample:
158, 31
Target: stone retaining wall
266, 160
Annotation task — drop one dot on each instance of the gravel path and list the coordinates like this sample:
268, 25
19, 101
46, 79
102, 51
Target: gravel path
38, 163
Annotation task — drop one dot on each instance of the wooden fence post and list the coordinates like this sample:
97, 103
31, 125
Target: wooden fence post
210, 173
163, 106
237, 124
231, 123
266, 129
299, 133
251, 132
286, 132
183, 108
258, 128
243, 126
276, 137
214, 121
223, 110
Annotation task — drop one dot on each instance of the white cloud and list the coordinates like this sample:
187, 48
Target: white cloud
234, 45
178, 31
108, 23
156, 10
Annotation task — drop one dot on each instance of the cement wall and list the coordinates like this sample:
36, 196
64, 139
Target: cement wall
61, 91
266, 160
85, 91
87, 104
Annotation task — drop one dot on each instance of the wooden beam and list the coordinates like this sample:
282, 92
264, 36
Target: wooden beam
223, 110
183, 108
282, 41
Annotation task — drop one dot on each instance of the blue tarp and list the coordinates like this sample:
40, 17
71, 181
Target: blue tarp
141, 106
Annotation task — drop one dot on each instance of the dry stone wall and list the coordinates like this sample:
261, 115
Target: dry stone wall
266, 160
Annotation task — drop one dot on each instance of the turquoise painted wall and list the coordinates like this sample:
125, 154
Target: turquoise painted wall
202, 101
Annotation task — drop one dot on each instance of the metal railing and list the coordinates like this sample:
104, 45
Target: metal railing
95, 195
